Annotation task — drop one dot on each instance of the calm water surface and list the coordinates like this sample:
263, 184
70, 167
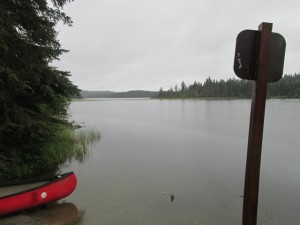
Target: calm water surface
194, 150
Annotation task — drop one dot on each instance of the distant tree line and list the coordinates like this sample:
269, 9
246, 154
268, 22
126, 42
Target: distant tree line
111, 94
287, 87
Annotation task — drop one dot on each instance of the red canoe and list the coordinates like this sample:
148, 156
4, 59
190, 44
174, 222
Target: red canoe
21, 197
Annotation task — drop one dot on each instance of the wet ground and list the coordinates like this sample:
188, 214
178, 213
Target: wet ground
54, 214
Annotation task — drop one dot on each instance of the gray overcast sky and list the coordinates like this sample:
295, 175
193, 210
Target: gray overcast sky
122, 45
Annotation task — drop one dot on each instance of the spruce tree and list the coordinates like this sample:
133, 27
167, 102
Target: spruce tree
34, 95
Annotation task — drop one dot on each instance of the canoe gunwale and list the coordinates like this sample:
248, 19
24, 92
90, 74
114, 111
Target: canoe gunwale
51, 181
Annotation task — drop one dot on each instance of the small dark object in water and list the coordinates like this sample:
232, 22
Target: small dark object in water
172, 198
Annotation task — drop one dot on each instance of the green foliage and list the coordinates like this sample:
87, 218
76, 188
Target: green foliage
287, 87
34, 95
65, 145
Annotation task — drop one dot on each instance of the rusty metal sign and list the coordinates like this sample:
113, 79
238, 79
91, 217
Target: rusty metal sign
246, 55
259, 56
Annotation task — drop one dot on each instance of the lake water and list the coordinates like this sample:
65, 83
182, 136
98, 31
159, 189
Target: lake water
194, 150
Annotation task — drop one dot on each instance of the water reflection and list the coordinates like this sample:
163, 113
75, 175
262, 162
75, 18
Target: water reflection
196, 151
63, 213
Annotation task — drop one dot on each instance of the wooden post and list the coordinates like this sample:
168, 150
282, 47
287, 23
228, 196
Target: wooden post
251, 188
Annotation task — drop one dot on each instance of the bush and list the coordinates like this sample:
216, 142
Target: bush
66, 145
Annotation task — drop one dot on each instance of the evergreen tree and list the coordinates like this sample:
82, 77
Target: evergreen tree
287, 87
34, 95
183, 86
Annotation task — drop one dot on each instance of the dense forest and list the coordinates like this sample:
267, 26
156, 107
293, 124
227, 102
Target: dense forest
287, 87
111, 94
36, 136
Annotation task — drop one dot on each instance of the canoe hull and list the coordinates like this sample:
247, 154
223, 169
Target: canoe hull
49, 192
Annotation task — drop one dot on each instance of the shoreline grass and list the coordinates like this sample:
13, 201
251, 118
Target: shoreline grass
66, 145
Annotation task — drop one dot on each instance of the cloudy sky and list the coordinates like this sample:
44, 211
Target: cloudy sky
122, 45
